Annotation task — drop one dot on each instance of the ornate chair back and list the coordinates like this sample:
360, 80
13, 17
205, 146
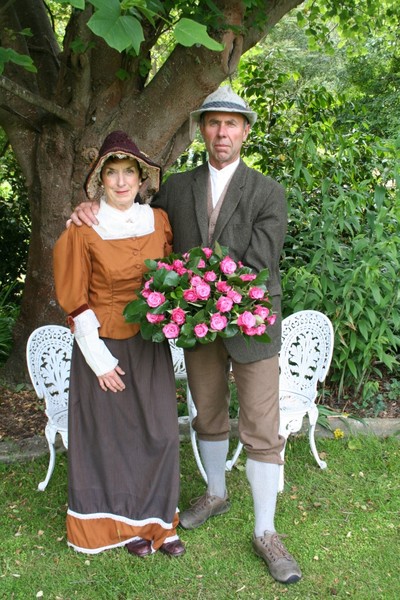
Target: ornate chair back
48, 355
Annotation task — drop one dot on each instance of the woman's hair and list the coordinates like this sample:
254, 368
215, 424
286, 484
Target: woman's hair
112, 159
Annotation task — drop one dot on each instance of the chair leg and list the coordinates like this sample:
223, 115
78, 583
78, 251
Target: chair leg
193, 439
231, 462
313, 417
281, 484
193, 436
43, 484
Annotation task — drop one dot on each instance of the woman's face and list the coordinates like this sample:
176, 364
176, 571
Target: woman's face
121, 180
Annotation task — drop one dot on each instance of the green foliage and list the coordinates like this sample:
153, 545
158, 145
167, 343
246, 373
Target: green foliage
9, 55
80, 4
8, 316
119, 24
188, 33
14, 226
341, 252
367, 33
120, 31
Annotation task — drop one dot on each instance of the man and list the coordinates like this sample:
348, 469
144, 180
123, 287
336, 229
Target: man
228, 202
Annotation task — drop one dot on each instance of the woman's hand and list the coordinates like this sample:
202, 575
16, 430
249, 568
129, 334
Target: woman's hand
112, 381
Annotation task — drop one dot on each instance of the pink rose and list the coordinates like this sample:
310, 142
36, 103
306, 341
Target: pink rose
218, 322
224, 304
256, 293
208, 252
155, 299
210, 276
164, 265
246, 319
250, 331
146, 289
236, 297
222, 287
271, 320
171, 330
177, 264
260, 329
262, 312
190, 295
196, 280
247, 277
200, 330
203, 291
154, 318
178, 316
201, 264
228, 266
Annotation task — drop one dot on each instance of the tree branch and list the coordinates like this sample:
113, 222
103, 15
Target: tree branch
46, 105
274, 11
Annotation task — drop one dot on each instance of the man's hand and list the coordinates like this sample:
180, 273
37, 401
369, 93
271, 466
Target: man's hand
86, 213
112, 380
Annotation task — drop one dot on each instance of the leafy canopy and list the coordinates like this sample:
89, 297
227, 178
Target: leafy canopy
119, 23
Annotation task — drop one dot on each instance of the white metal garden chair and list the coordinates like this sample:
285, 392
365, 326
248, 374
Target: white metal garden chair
48, 355
304, 360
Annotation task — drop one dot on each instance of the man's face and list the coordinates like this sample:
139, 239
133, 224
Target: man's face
223, 134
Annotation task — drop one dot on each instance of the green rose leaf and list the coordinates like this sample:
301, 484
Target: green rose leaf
229, 331
147, 330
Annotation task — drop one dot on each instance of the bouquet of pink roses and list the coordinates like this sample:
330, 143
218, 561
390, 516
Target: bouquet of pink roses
201, 294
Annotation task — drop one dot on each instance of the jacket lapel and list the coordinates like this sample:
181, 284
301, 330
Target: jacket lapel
199, 186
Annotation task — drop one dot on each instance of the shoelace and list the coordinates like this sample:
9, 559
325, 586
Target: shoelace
275, 547
200, 502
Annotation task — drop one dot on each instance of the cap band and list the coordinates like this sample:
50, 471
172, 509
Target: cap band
224, 104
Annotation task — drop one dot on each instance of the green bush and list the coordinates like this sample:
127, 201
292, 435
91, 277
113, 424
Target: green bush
341, 252
8, 316
14, 226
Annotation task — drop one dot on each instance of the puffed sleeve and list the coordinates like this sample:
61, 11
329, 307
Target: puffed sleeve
72, 270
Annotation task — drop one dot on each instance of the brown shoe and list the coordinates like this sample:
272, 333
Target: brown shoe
139, 547
173, 549
205, 507
281, 564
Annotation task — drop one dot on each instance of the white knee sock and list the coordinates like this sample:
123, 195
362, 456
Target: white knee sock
264, 481
213, 455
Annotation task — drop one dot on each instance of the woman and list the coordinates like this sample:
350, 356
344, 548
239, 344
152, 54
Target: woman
123, 473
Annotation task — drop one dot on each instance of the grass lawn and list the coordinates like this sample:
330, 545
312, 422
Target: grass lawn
342, 526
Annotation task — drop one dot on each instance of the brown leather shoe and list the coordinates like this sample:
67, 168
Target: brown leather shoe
173, 549
281, 564
202, 509
139, 547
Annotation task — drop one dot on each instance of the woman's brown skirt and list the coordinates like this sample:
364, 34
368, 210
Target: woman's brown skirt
123, 450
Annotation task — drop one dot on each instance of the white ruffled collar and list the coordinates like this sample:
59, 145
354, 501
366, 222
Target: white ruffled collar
114, 224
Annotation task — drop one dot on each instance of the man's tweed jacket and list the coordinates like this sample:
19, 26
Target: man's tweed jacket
252, 223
